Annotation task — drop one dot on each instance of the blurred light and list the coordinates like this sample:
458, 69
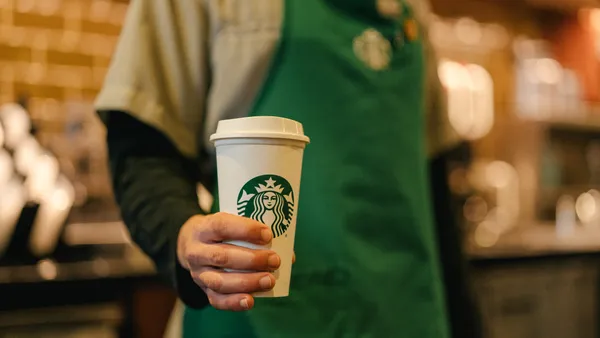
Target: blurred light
61, 199
596, 194
586, 207
482, 102
485, 234
502, 218
440, 33
47, 269
458, 83
475, 209
51, 217
530, 71
596, 217
505, 179
476, 175
524, 48
498, 174
594, 15
566, 218
548, 71
42, 177
452, 74
470, 98
101, 267
26, 155
468, 31
16, 122
495, 36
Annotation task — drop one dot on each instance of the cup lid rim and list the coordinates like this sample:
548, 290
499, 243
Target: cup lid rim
267, 135
269, 127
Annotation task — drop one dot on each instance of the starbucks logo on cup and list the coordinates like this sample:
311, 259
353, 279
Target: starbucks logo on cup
268, 199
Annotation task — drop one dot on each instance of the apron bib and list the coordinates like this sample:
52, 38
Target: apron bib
366, 256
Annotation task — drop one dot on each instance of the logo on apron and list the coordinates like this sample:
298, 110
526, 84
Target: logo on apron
372, 48
268, 199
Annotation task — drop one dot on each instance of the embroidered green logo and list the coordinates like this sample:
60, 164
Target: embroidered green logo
268, 199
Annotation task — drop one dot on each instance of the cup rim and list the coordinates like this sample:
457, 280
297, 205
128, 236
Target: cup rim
257, 135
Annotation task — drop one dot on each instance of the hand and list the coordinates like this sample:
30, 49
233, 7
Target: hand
201, 251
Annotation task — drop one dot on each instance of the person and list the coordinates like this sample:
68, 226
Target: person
361, 77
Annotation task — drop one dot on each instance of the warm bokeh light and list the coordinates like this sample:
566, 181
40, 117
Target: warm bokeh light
475, 209
499, 174
468, 31
470, 98
586, 208
594, 17
47, 269
26, 155
566, 219
547, 71
42, 177
50, 219
486, 235
17, 124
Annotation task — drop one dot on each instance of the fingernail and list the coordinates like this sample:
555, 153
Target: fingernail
266, 234
266, 283
244, 303
274, 261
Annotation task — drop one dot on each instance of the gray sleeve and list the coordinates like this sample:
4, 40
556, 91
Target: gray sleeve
159, 72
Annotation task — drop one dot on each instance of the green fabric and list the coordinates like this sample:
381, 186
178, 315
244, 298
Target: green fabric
365, 244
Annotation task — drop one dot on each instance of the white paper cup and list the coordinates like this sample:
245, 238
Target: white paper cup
259, 164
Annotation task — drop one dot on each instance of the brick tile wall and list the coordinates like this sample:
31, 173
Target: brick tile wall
56, 53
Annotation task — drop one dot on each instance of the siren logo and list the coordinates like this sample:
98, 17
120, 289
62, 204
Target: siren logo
268, 199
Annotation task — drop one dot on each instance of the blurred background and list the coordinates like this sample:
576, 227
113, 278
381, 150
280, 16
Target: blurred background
523, 84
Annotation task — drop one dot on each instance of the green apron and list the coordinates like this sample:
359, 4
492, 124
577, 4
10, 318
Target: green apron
366, 255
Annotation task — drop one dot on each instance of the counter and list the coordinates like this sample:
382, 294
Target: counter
532, 283
537, 241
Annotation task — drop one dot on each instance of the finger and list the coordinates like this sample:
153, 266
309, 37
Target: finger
229, 256
236, 302
223, 282
226, 227
294, 258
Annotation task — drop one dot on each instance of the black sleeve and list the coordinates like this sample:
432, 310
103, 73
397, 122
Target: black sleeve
155, 188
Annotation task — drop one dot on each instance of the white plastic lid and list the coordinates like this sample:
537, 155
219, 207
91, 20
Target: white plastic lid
260, 127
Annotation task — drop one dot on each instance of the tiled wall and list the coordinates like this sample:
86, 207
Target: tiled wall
55, 51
